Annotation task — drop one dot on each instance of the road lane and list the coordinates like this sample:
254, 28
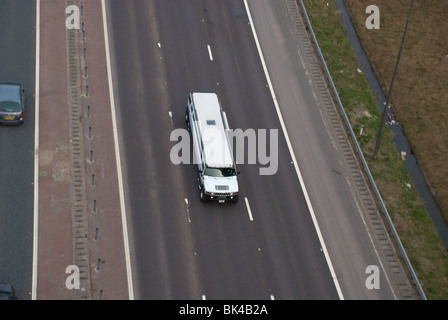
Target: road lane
153, 181
185, 249
17, 48
244, 92
345, 211
160, 54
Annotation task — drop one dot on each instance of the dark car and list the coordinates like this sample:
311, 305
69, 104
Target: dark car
7, 292
12, 103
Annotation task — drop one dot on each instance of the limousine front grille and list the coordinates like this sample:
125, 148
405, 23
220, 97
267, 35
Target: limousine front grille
221, 194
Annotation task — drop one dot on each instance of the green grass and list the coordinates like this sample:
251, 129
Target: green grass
417, 233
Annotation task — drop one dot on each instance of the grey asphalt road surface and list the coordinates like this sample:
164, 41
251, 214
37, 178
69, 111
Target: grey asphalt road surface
273, 243
338, 207
264, 247
17, 63
182, 248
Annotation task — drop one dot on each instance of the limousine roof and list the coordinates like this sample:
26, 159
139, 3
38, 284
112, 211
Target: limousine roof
215, 142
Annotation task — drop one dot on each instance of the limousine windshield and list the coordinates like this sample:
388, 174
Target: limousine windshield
219, 172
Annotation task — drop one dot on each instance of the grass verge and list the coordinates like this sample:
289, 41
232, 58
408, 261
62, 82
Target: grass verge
426, 252
420, 90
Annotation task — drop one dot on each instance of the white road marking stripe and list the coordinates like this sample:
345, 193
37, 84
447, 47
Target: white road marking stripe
188, 210
248, 209
210, 52
117, 156
171, 117
36, 160
291, 151
226, 123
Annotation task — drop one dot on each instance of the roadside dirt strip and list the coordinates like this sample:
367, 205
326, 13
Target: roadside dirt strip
79, 205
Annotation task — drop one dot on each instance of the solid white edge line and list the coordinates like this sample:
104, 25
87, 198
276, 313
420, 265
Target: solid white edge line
117, 156
226, 123
248, 209
36, 160
291, 151
210, 52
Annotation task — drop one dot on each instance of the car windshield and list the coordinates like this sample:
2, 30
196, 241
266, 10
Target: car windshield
9, 106
4, 295
220, 172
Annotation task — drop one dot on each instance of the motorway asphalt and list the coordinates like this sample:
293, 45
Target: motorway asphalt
160, 53
180, 247
339, 209
184, 249
17, 63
